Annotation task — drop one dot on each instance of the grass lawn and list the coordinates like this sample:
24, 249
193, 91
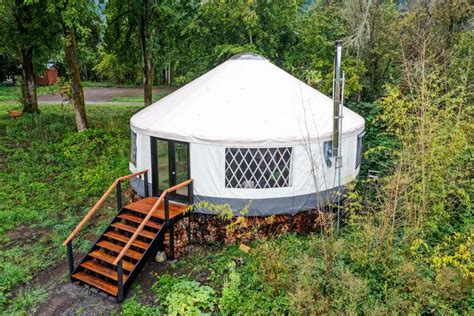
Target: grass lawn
50, 176
9, 93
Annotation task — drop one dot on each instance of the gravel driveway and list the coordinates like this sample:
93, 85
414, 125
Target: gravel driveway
105, 95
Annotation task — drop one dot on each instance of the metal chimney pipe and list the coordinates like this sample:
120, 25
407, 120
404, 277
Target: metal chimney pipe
337, 95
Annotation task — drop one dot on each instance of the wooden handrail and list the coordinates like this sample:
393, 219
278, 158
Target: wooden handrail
179, 186
99, 203
128, 176
148, 216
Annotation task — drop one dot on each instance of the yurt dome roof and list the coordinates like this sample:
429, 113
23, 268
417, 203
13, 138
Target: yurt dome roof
245, 101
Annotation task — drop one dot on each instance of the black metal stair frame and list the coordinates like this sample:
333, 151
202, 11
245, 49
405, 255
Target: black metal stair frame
153, 247
97, 270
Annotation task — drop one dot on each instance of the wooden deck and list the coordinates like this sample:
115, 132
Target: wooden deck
144, 206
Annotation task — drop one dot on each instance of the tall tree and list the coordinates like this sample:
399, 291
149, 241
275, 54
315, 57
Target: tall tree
131, 21
370, 25
27, 31
147, 62
73, 16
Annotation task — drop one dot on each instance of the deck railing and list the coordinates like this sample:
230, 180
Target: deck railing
163, 198
117, 184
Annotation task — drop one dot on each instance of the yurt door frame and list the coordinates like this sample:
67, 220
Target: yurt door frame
170, 165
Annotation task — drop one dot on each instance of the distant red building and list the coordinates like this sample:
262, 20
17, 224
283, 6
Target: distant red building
49, 77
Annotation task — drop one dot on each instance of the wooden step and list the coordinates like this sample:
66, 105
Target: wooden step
144, 205
96, 282
139, 220
116, 236
116, 248
100, 269
131, 229
110, 259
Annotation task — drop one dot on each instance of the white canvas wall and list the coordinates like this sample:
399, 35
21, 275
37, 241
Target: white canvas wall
208, 169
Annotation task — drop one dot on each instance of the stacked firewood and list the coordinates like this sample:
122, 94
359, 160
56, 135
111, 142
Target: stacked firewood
203, 229
206, 229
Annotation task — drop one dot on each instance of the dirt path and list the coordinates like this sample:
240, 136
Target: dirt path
101, 95
66, 298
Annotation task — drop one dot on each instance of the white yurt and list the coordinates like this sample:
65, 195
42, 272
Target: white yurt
251, 136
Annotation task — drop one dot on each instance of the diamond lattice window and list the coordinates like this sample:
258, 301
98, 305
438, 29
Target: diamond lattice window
257, 168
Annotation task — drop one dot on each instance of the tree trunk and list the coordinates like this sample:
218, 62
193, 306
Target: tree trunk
147, 63
30, 100
70, 50
148, 81
169, 72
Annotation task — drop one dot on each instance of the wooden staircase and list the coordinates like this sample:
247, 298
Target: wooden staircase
134, 235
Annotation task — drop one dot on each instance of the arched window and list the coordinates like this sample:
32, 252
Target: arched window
257, 168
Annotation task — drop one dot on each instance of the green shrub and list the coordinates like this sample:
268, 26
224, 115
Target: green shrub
184, 297
132, 307
230, 301
86, 145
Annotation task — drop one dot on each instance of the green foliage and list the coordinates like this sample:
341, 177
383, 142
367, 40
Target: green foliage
27, 24
245, 292
14, 93
193, 37
85, 146
50, 176
26, 301
183, 296
8, 66
132, 307
407, 246
110, 68
230, 301
380, 145
311, 57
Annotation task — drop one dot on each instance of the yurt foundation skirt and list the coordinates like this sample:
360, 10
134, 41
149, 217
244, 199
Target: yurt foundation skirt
257, 207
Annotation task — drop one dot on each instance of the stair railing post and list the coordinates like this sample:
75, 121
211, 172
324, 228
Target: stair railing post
190, 216
167, 210
191, 192
70, 258
119, 195
169, 225
120, 294
145, 181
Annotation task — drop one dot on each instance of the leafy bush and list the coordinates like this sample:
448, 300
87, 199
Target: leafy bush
132, 307
230, 301
86, 144
245, 291
183, 296
112, 69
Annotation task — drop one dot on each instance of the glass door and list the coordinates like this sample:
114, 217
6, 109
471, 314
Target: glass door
162, 165
170, 166
181, 166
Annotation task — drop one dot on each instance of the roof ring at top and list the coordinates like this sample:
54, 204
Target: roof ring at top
247, 56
